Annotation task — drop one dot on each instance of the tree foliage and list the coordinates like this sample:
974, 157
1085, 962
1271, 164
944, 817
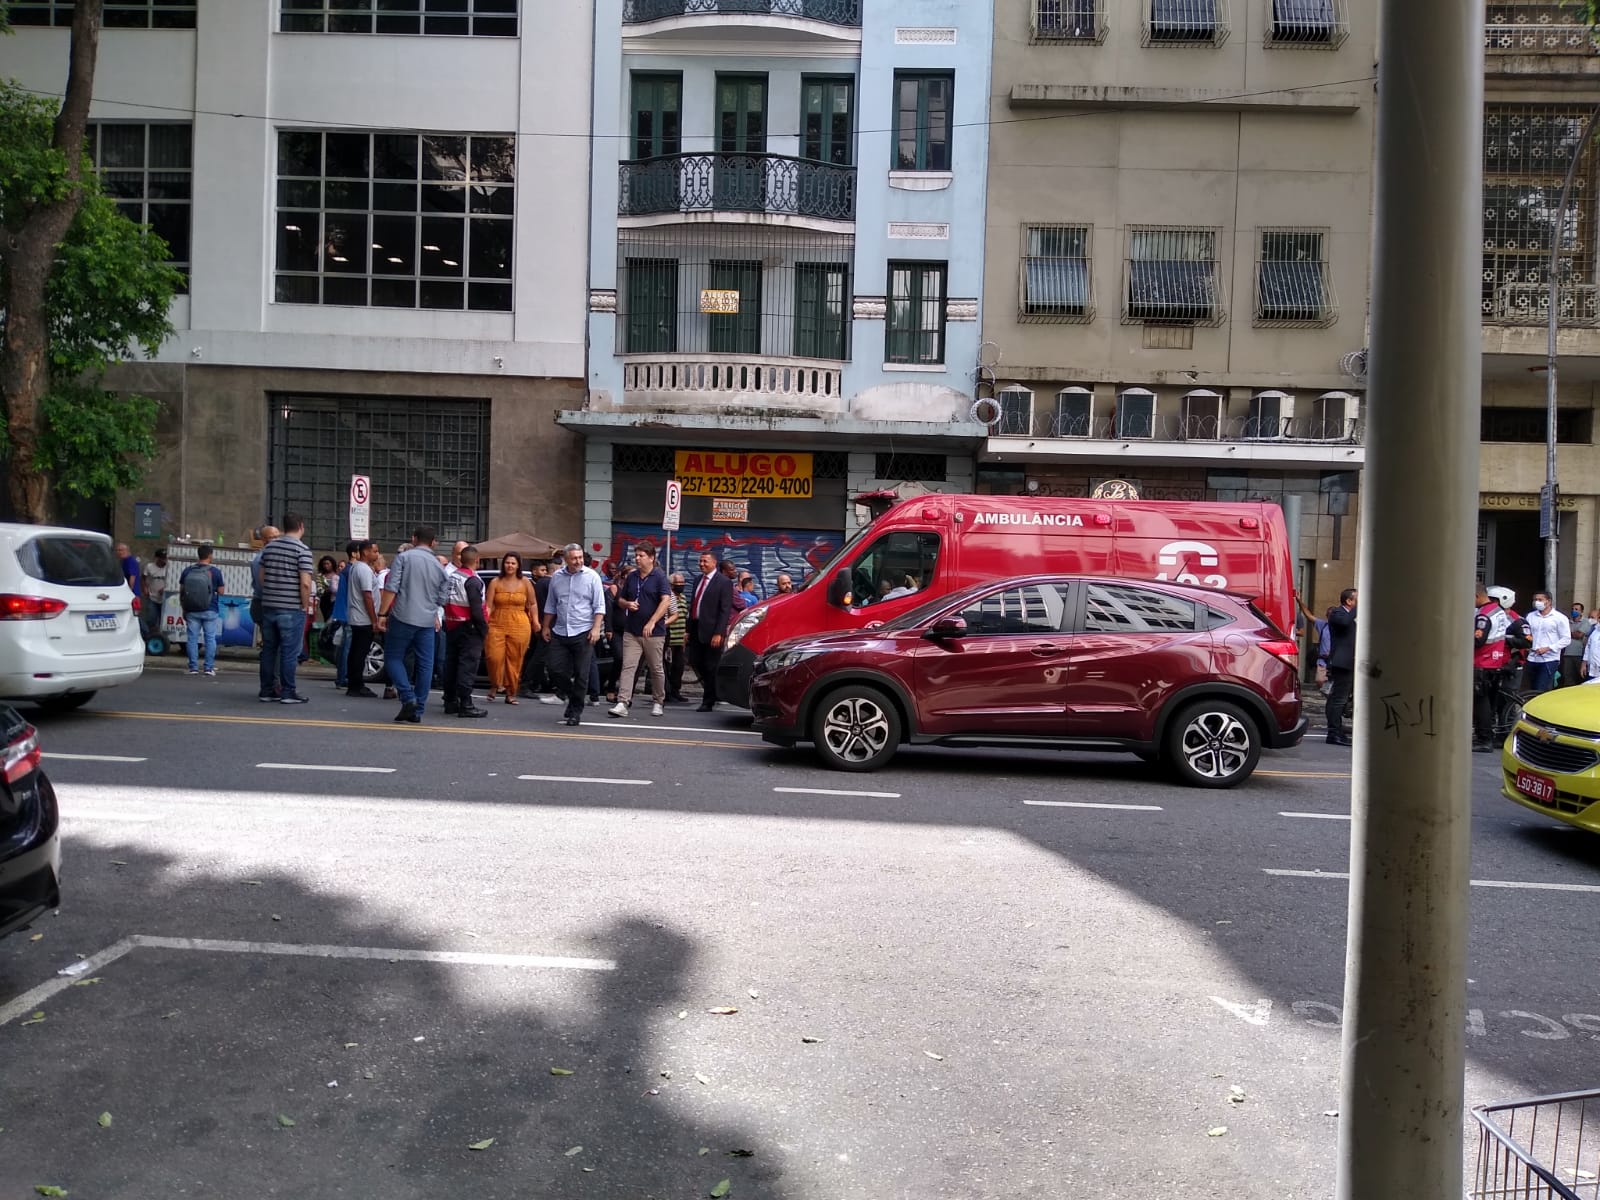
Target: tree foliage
108, 293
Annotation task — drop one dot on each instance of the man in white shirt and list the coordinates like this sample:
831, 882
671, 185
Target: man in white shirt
1551, 633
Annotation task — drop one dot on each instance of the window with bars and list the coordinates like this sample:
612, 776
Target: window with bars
1185, 22
428, 459
395, 220
1068, 21
1527, 150
1307, 24
1016, 412
148, 171
1292, 282
928, 468
117, 14
1055, 273
922, 120
458, 18
1172, 276
915, 317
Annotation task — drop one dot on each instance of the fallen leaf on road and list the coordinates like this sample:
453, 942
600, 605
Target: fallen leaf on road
351, 1045
1330, 1112
36, 1019
117, 862
366, 1075
701, 1078
741, 1153
810, 1041
333, 1083
170, 1015
49, 1189
470, 934
483, 1145
1224, 922
1236, 1094
683, 1014
104, 1120
588, 1168
85, 982
722, 1012
285, 1122
574, 1150
935, 1057
704, 1150
754, 995
276, 917
559, 1071
722, 1189
419, 1038
1217, 1132
38, 937
666, 1074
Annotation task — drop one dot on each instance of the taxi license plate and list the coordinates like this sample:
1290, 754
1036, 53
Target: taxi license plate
101, 622
1536, 787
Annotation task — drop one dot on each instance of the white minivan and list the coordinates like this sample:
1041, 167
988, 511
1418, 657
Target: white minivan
69, 624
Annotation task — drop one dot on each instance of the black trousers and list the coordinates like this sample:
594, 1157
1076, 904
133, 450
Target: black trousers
705, 659
356, 665
1339, 699
674, 662
533, 672
463, 648
1486, 684
569, 664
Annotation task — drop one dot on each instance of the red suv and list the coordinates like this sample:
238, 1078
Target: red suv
1192, 677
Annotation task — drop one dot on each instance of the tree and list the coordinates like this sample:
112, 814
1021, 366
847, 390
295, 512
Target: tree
79, 284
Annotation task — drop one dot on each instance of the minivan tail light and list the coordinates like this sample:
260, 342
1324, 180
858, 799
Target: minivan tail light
1288, 651
30, 608
22, 756
1249, 523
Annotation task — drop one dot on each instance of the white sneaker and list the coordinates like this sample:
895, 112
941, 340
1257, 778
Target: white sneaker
619, 709
655, 710
546, 698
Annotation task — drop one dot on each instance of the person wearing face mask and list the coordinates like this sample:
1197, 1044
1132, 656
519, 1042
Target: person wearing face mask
1572, 655
1551, 635
677, 653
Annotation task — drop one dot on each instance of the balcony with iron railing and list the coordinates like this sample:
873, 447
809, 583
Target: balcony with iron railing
1172, 427
1535, 28
840, 15
762, 185
718, 381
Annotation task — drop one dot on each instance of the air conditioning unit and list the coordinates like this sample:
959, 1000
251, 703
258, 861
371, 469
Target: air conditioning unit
1016, 412
1579, 303
1334, 416
1074, 413
1269, 417
1135, 415
1203, 413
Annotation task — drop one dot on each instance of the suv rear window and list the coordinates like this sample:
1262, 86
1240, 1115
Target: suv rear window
71, 561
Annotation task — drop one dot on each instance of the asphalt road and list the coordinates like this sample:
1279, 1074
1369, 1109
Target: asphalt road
329, 955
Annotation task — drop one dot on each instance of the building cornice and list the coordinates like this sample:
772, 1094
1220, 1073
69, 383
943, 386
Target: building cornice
1171, 99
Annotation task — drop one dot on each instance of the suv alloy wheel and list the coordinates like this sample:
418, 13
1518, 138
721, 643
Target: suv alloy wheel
855, 728
1213, 744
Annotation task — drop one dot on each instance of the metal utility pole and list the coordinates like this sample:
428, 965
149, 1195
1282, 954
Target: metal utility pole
1400, 1122
1549, 500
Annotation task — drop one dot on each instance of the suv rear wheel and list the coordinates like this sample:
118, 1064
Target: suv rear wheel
855, 728
1213, 744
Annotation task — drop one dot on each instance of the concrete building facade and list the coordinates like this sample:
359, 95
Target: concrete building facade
366, 206
1177, 256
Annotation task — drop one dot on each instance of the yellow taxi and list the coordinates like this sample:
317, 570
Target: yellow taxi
1551, 761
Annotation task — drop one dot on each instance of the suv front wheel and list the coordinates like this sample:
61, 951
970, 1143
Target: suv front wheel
1213, 744
855, 728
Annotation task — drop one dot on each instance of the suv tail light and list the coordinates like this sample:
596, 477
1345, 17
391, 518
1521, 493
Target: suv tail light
1288, 651
30, 608
22, 756
136, 604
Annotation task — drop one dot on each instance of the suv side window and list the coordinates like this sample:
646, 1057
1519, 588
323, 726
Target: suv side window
1110, 609
1036, 609
897, 564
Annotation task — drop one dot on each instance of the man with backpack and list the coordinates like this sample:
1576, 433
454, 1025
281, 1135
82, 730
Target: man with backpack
198, 589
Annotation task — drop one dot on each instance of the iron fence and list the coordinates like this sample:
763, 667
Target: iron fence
1141, 425
753, 183
846, 13
1546, 1148
1535, 27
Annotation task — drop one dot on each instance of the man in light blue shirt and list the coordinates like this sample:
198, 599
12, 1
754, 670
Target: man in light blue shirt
574, 614
413, 594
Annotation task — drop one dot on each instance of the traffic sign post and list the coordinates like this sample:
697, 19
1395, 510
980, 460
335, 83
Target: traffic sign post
672, 515
360, 508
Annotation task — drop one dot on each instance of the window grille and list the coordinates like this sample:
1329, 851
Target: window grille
1056, 274
1293, 285
117, 14
1185, 22
458, 18
148, 171
1536, 27
428, 459
1135, 416
1307, 24
1269, 416
1068, 21
1172, 277
914, 322
395, 220
1204, 415
1527, 149
793, 291
928, 468
1016, 412
1074, 413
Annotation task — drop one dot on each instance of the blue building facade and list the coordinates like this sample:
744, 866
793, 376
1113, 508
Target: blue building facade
786, 261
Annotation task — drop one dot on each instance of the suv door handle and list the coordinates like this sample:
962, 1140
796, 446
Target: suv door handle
1045, 650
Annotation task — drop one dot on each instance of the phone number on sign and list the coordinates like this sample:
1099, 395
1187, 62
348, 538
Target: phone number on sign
757, 486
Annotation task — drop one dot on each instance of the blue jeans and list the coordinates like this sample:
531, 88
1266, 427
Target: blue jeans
282, 632
1541, 677
341, 676
207, 625
403, 639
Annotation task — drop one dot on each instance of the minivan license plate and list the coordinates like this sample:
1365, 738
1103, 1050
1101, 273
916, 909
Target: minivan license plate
1536, 787
101, 622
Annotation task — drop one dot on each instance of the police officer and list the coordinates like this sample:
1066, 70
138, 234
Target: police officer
1490, 658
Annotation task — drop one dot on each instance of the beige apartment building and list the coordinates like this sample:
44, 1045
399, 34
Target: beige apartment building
1178, 244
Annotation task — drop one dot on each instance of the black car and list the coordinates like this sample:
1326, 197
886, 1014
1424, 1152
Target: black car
30, 829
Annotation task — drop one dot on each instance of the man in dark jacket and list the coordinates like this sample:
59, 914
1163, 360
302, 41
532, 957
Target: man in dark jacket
464, 628
1341, 665
710, 608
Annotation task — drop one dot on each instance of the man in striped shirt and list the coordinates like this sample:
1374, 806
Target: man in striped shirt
285, 575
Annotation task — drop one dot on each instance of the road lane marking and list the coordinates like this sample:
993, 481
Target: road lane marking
127, 818
800, 791
1515, 884
586, 779
645, 724
116, 758
1089, 804
325, 767
30, 1000
1313, 816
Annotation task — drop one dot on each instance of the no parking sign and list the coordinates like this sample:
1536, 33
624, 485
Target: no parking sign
360, 508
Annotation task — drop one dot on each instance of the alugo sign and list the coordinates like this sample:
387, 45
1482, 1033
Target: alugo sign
746, 476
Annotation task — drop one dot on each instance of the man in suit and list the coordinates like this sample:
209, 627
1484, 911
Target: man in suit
1341, 664
710, 606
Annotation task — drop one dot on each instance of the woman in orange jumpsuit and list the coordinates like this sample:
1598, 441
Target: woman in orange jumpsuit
510, 604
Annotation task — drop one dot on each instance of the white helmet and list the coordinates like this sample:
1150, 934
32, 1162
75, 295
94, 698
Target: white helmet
1503, 596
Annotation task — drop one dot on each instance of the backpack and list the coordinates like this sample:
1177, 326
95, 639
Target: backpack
197, 589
